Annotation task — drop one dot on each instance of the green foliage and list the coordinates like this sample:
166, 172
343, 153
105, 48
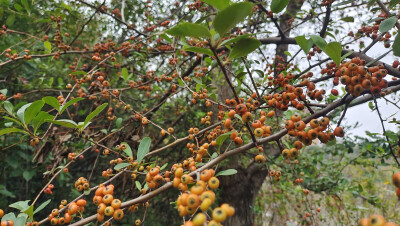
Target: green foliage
334, 51
189, 29
396, 45
121, 165
304, 43
227, 172
318, 41
11, 130
243, 47
219, 4
278, 5
199, 50
387, 24
226, 19
143, 149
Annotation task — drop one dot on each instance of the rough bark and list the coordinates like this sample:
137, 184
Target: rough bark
240, 190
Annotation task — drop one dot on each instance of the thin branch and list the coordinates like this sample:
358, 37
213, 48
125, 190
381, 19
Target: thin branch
326, 21
87, 22
384, 132
251, 78
343, 114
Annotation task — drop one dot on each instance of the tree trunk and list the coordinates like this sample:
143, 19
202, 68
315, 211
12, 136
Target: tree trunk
241, 189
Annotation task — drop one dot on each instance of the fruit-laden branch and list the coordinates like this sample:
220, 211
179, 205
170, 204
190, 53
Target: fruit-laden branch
143, 198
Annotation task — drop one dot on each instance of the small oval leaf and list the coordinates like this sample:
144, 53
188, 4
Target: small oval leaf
121, 165
387, 24
143, 149
226, 172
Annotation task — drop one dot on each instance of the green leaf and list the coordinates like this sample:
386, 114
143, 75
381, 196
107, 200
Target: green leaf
28, 211
288, 53
20, 205
66, 6
138, 185
189, 29
28, 175
278, 5
5, 3
11, 130
164, 166
166, 38
18, 7
226, 172
52, 101
396, 45
25, 3
143, 149
128, 149
221, 138
5, 192
69, 103
33, 110
219, 4
47, 45
180, 82
79, 73
20, 220
370, 2
334, 51
64, 122
346, 55
42, 206
259, 72
118, 122
238, 117
95, 113
199, 50
21, 112
124, 73
8, 107
86, 192
320, 42
10, 20
343, 3
387, 24
226, 19
9, 216
392, 3
14, 120
304, 44
348, 19
198, 81
40, 118
244, 47
232, 40
121, 165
